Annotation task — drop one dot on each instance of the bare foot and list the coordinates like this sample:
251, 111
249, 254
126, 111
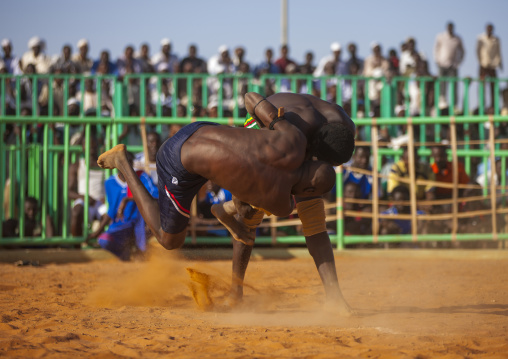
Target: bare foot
238, 230
109, 159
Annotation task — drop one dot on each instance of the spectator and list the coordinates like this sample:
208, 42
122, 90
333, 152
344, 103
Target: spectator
77, 188
10, 61
361, 160
198, 65
353, 60
214, 195
448, 54
125, 224
398, 226
267, 66
35, 56
239, 58
408, 58
81, 59
376, 66
339, 66
283, 61
488, 51
221, 64
400, 170
355, 225
144, 60
32, 224
307, 68
393, 60
153, 142
64, 63
103, 66
443, 170
165, 56
127, 63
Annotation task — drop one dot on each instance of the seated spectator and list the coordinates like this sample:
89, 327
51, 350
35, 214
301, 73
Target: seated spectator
36, 57
214, 195
360, 159
153, 141
77, 188
397, 226
355, 225
81, 59
443, 170
64, 62
423, 171
32, 224
126, 226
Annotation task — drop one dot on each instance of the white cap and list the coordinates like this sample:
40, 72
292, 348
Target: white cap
223, 48
82, 42
34, 41
335, 46
6, 42
374, 44
165, 41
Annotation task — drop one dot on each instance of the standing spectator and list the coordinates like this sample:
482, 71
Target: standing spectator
126, 226
166, 56
488, 51
448, 54
35, 56
127, 63
267, 66
393, 60
334, 57
106, 66
443, 170
10, 61
354, 61
220, 64
376, 66
408, 58
197, 64
307, 67
64, 62
283, 61
239, 58
144, 60
81, 59
77, 188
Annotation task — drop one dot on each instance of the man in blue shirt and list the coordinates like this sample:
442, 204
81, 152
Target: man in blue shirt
125, 224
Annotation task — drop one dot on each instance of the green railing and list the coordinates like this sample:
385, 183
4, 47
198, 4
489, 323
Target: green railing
39, 166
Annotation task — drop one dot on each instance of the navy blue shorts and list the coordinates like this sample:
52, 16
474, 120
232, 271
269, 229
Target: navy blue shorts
177, 187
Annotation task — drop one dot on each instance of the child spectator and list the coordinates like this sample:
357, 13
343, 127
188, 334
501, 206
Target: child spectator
32, 224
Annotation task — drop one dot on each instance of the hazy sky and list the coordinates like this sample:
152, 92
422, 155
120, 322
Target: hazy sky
313, 25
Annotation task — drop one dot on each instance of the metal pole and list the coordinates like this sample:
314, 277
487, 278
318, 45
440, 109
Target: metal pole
284, 22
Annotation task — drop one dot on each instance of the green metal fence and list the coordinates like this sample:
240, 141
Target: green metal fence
36, 159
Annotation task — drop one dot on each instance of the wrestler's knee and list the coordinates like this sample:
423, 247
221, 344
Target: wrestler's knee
171, 241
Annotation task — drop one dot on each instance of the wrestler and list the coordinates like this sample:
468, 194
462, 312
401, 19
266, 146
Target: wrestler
329, 134
258, 168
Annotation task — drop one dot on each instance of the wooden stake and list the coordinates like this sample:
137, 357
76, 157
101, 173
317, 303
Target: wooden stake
375, 182
455, 164
412, 177
493, 203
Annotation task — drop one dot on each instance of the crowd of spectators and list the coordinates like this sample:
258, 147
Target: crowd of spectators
125, 226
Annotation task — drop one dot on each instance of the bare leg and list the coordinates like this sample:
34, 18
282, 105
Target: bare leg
147, 205
225, 213
241, 257
320, 248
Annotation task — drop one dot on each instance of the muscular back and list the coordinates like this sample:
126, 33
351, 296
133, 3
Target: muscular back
308, 112
258, 167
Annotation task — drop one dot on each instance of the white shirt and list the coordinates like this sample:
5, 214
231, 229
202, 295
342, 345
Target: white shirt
159, 58
41, 62
488, 51
448, 50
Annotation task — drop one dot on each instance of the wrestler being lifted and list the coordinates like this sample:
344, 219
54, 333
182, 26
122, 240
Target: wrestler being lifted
263, 169
329, 136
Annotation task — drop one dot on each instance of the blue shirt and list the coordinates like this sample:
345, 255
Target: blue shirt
220, 197
404, 224
116, 191
362, 180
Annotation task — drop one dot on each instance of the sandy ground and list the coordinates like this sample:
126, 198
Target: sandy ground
420, 307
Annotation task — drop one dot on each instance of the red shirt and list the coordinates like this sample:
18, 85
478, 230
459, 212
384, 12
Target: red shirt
446, 175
